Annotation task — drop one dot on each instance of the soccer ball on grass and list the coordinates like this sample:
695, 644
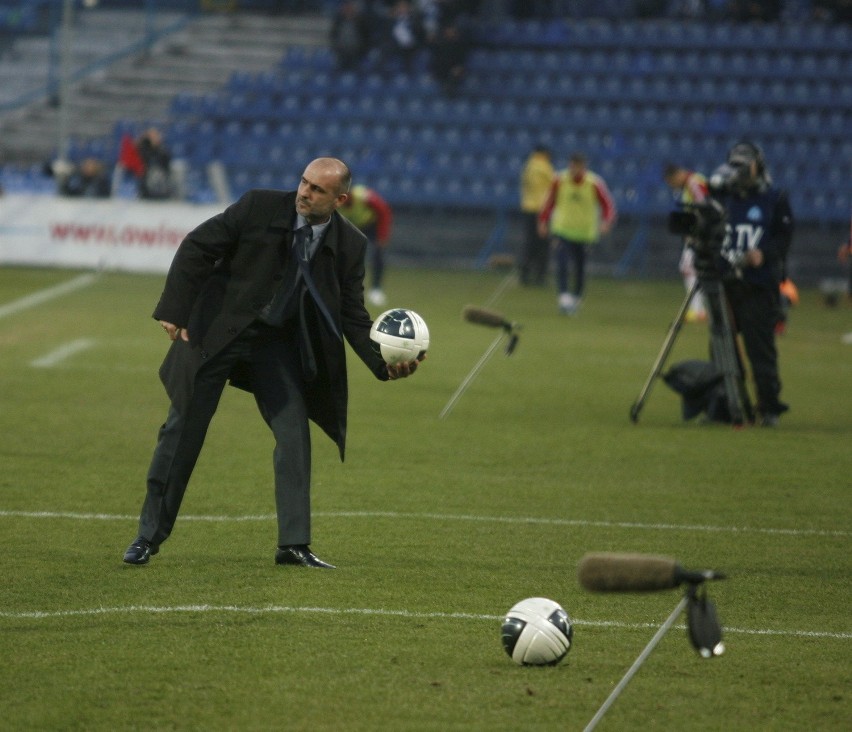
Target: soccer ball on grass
400, 336
537, 632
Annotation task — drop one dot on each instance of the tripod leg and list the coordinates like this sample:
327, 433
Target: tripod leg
663, 355
723, 346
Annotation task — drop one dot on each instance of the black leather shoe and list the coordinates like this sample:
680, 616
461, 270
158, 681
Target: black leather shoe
140, 551
300, 555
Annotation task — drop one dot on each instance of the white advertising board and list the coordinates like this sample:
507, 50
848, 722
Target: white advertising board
108, 234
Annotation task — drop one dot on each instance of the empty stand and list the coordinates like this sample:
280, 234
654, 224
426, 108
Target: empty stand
631, 94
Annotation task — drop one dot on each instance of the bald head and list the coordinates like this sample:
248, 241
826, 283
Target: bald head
335, 168
324, 186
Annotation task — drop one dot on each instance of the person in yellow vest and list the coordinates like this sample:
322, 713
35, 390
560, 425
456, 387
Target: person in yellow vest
578, 210
690, 187
536, 178
372, 215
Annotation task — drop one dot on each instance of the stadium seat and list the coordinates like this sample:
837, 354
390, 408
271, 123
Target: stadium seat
183, 103
625, 92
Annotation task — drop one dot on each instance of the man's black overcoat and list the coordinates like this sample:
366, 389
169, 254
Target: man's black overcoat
228, 268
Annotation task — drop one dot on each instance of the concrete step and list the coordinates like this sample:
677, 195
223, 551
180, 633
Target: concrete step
200, 58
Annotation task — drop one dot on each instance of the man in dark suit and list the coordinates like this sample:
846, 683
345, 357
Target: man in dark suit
262, 295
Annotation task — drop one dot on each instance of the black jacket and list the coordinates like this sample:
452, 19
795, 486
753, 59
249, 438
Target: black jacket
228, 268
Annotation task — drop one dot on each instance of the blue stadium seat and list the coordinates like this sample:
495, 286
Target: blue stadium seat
608, 88
480, 60
241, 82
498, 61
183, 103
627, 93
660, 90
836, 122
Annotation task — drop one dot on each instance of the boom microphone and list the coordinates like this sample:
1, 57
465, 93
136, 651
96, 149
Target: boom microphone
613, 572
483, 316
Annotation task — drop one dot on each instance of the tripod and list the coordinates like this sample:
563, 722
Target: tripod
723, 349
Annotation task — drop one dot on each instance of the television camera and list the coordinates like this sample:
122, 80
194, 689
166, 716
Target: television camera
705, 224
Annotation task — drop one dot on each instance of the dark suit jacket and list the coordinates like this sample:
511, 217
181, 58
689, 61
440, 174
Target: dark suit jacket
228, 268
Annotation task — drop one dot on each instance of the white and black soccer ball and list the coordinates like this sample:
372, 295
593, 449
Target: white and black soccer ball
537, 632
400, 336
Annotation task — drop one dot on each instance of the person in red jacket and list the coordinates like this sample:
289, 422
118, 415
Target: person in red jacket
372, 214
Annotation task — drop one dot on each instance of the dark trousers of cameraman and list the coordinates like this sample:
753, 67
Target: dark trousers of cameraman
755, 311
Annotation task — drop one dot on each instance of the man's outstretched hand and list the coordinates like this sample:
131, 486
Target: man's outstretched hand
402, 370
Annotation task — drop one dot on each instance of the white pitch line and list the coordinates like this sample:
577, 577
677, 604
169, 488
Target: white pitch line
380, 612
589, 523
64, 351
42, 296
447, 517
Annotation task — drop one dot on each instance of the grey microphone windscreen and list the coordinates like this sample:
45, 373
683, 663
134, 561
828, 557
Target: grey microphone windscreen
615, 572
483, 316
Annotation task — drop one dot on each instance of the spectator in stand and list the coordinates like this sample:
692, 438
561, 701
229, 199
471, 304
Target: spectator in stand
150, 161
156, 180
350, 36
687, 9
765, 11
578, 210
372, 215
432, 13
536, 179
450, 51
404, 37
837, 11
689, 187
86, 180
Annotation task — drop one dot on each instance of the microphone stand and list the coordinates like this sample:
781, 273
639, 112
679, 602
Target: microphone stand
631, 672
469, 378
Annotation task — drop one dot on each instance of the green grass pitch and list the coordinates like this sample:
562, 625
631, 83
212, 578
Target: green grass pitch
438, 526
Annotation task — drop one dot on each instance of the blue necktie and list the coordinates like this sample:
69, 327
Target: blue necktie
285, 301
302, 241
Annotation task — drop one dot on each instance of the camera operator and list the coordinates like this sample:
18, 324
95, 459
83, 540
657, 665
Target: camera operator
752, 263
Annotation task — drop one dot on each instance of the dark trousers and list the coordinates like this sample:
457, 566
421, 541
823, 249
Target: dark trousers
272, 355
533, 269
377, 257
571, 253
378, 262
755, 311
